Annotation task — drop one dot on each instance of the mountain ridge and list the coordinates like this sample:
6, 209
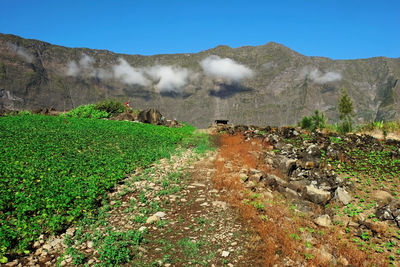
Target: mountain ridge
284, 86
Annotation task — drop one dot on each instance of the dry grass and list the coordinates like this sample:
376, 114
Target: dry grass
275, 223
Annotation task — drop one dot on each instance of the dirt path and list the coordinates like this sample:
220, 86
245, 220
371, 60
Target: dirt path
167, 215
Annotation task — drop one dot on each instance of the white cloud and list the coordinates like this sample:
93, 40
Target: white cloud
129, 75
86, 61
225, 68
169, 78
319, 77
85, 64
22, 52
73, 69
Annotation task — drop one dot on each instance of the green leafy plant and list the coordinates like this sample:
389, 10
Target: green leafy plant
86, 111
54, 172
315, 121
110, 106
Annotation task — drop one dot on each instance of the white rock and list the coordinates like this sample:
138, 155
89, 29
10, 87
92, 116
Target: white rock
316, 195
323, 220
342, 195
160, 214
152, 219
225, 254
142, 229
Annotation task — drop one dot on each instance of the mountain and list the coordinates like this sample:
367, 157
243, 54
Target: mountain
268, 84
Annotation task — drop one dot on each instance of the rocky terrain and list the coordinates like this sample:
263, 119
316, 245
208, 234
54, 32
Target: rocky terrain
267, 84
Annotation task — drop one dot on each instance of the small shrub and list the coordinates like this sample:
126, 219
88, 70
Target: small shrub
306, 123
110, 106
87, 111
316, 121
345, 127
116, 247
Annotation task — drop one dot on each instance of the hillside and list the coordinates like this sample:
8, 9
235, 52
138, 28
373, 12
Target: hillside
272, 85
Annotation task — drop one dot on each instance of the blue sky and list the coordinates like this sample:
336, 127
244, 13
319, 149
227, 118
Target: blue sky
339, 29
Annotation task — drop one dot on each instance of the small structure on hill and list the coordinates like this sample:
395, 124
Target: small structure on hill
221, 121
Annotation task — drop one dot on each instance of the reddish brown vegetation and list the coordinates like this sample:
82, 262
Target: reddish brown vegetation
275, 221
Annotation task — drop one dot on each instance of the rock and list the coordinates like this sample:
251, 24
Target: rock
36, 244
342, 195
316, 195
126, 116
225, 254
326, 257
199, 184
12, 263
152, 219
70, 231
274, 181
323, 220
377, 227
142, 229
390, 212
90, 244
243, 177
47, 247
256, 178
382, 197
353, 224
291, 193
38, 251
220, 204
160, 214
151, 115
285, 165
313, 151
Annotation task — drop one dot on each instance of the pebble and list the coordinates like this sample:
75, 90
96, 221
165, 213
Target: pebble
225, 254
152, 219
160, 214
142, 228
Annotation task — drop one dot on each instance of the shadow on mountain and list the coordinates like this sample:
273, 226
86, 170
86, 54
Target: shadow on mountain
138, 92
173, 94
229, 90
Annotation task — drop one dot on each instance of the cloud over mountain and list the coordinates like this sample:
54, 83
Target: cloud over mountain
128, 74
20, 51
319, 77
225, 68
169, 78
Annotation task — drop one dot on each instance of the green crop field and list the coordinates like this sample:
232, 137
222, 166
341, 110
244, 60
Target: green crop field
53, 171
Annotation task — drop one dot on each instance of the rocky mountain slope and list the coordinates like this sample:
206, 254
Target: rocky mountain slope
268, 84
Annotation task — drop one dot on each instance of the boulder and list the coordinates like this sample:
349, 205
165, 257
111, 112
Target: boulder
316, 195
274, 181
342, 195
382, 197
151, 115
323, 220
285, 165
126, 116
390, 212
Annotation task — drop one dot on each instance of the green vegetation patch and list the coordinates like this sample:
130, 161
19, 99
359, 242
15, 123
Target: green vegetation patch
54, 170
